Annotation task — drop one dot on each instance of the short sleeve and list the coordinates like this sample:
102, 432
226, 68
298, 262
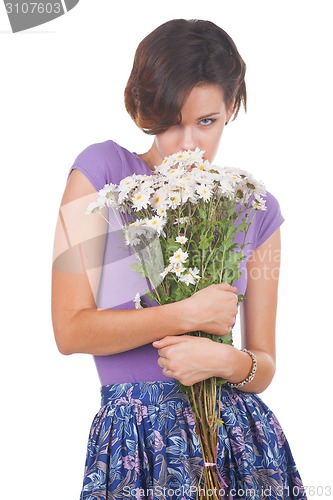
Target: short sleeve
95, 161
267, 221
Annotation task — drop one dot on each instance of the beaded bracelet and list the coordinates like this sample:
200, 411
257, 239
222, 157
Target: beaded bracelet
252, 373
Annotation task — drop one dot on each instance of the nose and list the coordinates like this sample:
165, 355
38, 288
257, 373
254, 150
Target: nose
188, 138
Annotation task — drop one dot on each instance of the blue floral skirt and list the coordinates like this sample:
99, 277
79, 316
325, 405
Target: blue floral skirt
143, 444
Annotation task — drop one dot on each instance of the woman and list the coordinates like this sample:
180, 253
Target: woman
186, 84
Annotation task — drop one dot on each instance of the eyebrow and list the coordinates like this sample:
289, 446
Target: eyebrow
208, 114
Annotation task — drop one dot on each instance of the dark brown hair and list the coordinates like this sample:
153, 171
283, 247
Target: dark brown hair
172, 60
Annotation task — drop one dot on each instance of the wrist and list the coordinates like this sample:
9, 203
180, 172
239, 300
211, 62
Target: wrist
179, 314
232, 364
251, 373
186, 316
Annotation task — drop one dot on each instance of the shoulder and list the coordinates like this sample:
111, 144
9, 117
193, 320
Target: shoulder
104, 162
100, 151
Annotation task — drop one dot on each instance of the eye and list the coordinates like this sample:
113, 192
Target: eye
207, 121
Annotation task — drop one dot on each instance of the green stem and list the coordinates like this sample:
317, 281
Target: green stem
222, 265
193, 402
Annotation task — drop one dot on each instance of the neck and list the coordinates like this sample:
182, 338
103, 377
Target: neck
146, 158
151, 158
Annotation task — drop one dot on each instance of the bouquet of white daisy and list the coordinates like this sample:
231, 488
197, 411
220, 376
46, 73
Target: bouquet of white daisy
194, 210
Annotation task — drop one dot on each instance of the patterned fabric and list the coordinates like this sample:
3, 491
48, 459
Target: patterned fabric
143, 444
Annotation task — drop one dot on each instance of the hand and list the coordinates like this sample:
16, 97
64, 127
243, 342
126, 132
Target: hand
190, 359
213, 309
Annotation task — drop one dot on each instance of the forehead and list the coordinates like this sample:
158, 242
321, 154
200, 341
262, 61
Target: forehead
204, 99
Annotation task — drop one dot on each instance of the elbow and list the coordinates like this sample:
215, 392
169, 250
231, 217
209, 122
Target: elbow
71, 334
64, 340
266, 378
64, 346
66, 333
262, 386
271, 371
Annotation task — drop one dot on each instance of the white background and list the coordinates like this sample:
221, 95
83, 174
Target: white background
61, 89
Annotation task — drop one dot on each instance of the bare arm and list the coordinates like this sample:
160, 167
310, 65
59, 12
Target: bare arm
258, 312
79, 326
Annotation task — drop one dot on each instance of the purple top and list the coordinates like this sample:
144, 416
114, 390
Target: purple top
107, 162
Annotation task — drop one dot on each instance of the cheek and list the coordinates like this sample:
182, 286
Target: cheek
211, 144
166, 144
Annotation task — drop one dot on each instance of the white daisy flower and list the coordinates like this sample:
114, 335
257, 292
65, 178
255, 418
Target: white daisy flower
185, 186
174, 173
161, 212
156, 223
203, 165
194, 271
187, 193
131, 238
226, 186
257, 187
203, 177
187, 180
259, 204
192, 157
178, 256
174, 199
166, 271
108, 190
140, 199
109, 193
187, 278
177, 268
127, 184
134, 231
95, 206
204, 192
181, 239
158, 199
191, 277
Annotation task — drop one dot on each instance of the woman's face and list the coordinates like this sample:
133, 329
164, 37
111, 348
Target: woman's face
203, 119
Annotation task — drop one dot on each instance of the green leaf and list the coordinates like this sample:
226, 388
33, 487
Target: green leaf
203, 214
138, 268
204, 242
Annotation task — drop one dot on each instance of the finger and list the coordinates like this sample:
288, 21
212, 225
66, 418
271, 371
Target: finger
161, 362
233, 324
234, 294
162, 352
228, 288
170, 340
